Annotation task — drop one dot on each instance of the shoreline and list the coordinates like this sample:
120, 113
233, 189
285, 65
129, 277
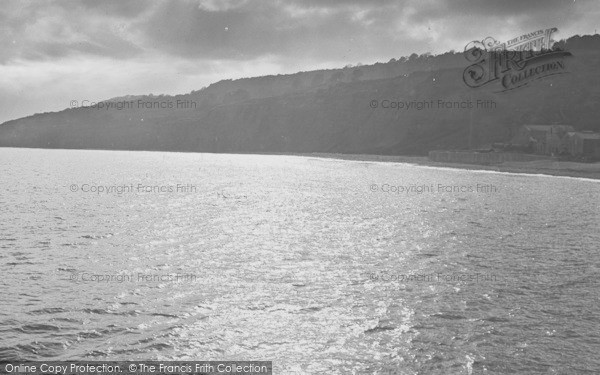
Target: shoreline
543, 167
539, 167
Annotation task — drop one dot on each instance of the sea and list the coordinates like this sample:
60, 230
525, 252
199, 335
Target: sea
322, 266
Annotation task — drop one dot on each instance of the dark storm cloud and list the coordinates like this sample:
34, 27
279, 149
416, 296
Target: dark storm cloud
492, 8
253, 29
330, 28
511, 7
118, 8
247, 29
186, 29
46, 30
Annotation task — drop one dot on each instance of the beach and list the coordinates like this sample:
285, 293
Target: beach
545, 167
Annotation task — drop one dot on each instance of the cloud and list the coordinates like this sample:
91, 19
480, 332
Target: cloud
125, 9
248, 29
50, 30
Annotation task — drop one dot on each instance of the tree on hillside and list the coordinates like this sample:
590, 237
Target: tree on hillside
357, 74
317, 79
337, 76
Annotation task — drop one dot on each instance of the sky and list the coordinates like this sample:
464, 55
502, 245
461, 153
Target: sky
54, 52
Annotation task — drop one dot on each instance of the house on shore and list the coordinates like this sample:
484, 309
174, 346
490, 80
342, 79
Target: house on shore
544, 139
584, 144
531, 143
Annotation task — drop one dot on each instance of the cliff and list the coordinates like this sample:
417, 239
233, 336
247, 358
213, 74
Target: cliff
334, 111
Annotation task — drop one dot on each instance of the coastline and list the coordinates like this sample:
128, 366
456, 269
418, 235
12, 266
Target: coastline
544, 167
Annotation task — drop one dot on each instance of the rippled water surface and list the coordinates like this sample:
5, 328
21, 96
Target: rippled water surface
311, 263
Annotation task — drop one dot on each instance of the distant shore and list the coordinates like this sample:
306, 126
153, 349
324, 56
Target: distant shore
545, 167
